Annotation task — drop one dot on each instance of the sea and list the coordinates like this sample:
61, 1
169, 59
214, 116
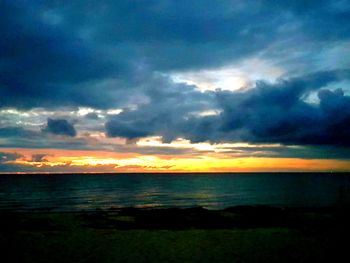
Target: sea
89, 192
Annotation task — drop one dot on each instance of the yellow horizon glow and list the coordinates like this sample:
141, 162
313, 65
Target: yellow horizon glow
105, 161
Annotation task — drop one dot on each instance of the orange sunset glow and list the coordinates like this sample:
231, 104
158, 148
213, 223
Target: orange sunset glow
104, 161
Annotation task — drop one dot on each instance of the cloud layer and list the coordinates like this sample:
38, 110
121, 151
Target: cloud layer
104, 74
266, 113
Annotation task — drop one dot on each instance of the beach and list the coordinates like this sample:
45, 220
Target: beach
174, 218
235, 234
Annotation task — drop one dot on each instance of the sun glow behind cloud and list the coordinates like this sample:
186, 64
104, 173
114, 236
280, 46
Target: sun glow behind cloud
230, 77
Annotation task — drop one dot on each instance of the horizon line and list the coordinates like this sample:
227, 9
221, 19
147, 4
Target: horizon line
184, 172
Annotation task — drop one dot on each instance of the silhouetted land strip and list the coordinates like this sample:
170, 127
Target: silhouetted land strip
236, 234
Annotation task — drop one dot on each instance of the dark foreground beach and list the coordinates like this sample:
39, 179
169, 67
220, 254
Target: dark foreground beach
236, 234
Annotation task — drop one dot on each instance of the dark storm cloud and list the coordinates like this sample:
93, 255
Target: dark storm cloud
182, 34
60, 127
59, 53
41, 64
166, 113
278, 113
322, 19
267, 113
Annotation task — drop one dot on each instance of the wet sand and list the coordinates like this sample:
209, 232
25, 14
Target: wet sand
236, 234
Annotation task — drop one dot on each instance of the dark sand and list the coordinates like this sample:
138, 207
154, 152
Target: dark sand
237, 234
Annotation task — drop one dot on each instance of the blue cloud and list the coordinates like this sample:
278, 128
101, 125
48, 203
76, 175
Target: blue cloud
6, 157
58, 54
60, 127
267, 113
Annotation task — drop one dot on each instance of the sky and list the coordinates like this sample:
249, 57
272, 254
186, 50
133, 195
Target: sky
174, 86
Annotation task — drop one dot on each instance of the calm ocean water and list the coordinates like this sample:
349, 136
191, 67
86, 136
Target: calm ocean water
78, 192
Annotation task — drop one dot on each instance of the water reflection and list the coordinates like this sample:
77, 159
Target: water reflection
214, 191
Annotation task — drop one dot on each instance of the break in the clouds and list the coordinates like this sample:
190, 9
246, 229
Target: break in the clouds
103, 75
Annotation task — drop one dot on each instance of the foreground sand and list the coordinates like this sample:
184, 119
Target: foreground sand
239, 234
